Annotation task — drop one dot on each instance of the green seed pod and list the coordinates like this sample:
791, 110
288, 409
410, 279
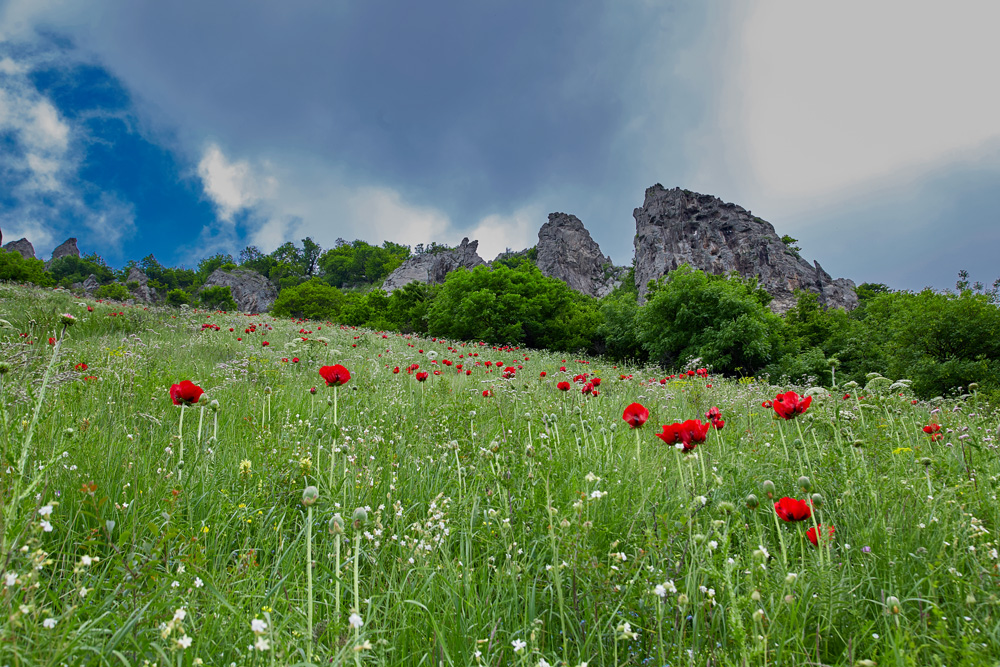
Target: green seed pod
973, 386
925, 461
892, 605
310, 495
805, 484
360, 518
768, 488
752, 502
725, 507
336, 525
203, 399
817, 500
267, 391
213, 405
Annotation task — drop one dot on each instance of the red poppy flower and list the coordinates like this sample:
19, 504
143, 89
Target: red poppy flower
395, 370
295, 360
562, 368
636, 415
792, 509
265, 343
509, 372
335, 375
663, 380
846, 396
713, 414
718, 424
80, 366
312, 390
596, 382
811, 534
284, 360
185, 393
52, 341
790, 404
766, 404
932, 428
487, 393
468, 372
421, 376
542, 374
587, 388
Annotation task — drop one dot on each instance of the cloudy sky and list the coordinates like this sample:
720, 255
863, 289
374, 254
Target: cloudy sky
868, 130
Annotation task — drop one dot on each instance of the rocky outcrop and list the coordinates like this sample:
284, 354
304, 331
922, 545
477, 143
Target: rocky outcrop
432, 267
567, 252
138, 286
22, 246
91, 284
66, 249
676, 227
252, 292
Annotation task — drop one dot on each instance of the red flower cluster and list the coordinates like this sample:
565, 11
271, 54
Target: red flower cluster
335, 375
80, 367
792, 509
688, 433
185, 393
934, 431
715, 417
635, 415
790, 404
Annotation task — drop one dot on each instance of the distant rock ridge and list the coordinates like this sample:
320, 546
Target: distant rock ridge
65, 249
142, 292
252, 292
566, 251
432, 267
677, 226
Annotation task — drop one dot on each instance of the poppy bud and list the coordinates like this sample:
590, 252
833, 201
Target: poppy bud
682, 599
892, 605
214, 405
805, 484
319, 433
925, 461
69, 321
725, 507
310, 495
751, 501
267, 391
4, 367
360, 518
817, 500
336, 525
203, 399
768, 487
973, 386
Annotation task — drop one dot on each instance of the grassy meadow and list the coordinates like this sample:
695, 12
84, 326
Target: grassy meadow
477, 517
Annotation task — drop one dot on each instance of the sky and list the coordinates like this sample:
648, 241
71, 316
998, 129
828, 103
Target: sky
870, 131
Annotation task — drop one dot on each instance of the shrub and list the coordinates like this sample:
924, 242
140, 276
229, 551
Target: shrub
115, 291
313, 299
178, 297
217, 297
16, 268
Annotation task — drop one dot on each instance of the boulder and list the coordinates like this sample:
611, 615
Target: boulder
22, 246
432, 267
252, 292
91, 284
567, 252
677, 226
66, 249
143, 293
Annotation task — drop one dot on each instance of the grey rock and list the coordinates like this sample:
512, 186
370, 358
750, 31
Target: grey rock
676, 227
432, 267
567, 252
90, 285
143, 293
66, 249
22, 246
252, 292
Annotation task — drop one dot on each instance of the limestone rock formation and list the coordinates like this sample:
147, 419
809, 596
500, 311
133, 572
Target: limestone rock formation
22, 246
567, 252
66, 249
676, 226
252, 292
432, 267
138, 285
91, 284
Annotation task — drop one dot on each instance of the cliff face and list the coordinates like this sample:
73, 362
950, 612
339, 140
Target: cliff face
567, 252
431, 268
252, 292
676, 227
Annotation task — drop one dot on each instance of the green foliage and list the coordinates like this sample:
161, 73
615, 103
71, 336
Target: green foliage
360, 263
791, 244
210, 264
512, 260
16, 268
217, 297
161, 277
178, 297
619, 328
313, 299
519, 305
408, 306
115, 291
723, 320
70, 269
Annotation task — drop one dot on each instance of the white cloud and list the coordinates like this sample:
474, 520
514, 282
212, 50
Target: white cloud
498, 233
823, 97
232, 186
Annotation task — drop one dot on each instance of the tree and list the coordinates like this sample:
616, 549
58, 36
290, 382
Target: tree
17, 268
723, 320
217, 297
217, 261
313, 299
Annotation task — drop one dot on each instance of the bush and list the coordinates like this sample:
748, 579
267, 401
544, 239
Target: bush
178, 297
217, 297
313, 299
115, 291
68, 270
16, 268
723, 320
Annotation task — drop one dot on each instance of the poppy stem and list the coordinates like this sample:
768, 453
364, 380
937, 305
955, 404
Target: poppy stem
309, 577
180, 437
781, 539
201, 420
784, 443
638, 449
